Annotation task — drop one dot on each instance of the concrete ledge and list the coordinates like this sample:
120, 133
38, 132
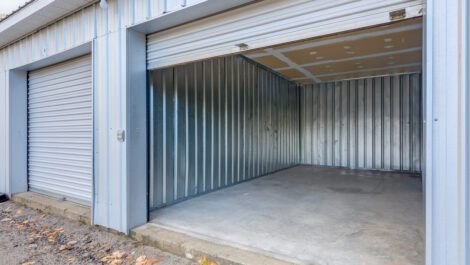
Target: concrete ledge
194, 248
67, 209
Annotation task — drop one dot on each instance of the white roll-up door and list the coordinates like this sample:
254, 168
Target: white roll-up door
270, 23
60, 130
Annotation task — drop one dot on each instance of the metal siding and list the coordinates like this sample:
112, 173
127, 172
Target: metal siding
447, 132
267, 23
372, 123
3, 132
466, 48
216, 121
60, 124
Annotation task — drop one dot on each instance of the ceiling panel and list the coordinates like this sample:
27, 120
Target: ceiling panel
349, 49
377, 72
370, 63
291, 73
382, 50
272, 62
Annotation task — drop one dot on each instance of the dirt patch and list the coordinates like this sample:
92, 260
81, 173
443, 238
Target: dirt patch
32, 237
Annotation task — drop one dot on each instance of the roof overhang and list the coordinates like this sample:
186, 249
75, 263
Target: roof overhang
35, 16
197, 11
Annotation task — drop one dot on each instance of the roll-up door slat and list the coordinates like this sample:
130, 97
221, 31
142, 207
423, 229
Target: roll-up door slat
60, 130
268, 23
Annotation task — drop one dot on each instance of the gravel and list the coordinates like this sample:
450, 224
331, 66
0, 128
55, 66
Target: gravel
32, 237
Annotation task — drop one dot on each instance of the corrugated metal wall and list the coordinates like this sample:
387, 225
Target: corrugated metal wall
216, 123
373, 123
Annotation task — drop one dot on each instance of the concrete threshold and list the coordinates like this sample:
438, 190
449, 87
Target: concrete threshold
196, 248
50, 205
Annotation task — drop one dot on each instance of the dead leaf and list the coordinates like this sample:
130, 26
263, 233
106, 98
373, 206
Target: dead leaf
106, 258
72, 259
28, 263
5, 220
116, 262
106, 248
206, 261
63, 247
71, 243
119, 254
143, 260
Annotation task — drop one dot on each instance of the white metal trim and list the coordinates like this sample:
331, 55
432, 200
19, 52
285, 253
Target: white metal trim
447, 131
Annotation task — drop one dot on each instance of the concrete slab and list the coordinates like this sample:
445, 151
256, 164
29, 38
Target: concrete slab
54, 206
311, 215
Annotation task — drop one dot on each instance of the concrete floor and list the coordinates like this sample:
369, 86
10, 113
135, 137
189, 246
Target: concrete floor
312, 215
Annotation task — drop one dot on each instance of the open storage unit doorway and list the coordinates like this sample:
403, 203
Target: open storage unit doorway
328, 131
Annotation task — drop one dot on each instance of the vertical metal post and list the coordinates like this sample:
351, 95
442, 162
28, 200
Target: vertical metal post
447, 132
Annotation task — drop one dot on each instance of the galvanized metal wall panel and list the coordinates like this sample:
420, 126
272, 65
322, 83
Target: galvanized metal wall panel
3, 132
110, 154
373, 123
447, 72
268, 23
60, 130
216, 123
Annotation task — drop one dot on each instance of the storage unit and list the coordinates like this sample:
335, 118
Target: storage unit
60, 130
301, 118
350, 100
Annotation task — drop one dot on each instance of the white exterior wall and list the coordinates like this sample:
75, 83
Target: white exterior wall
3, 129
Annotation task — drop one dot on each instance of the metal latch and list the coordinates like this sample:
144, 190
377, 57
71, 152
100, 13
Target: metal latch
121, 135
242, 46
398, 14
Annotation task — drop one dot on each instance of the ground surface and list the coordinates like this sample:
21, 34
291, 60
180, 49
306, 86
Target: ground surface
312, 215
31, 237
